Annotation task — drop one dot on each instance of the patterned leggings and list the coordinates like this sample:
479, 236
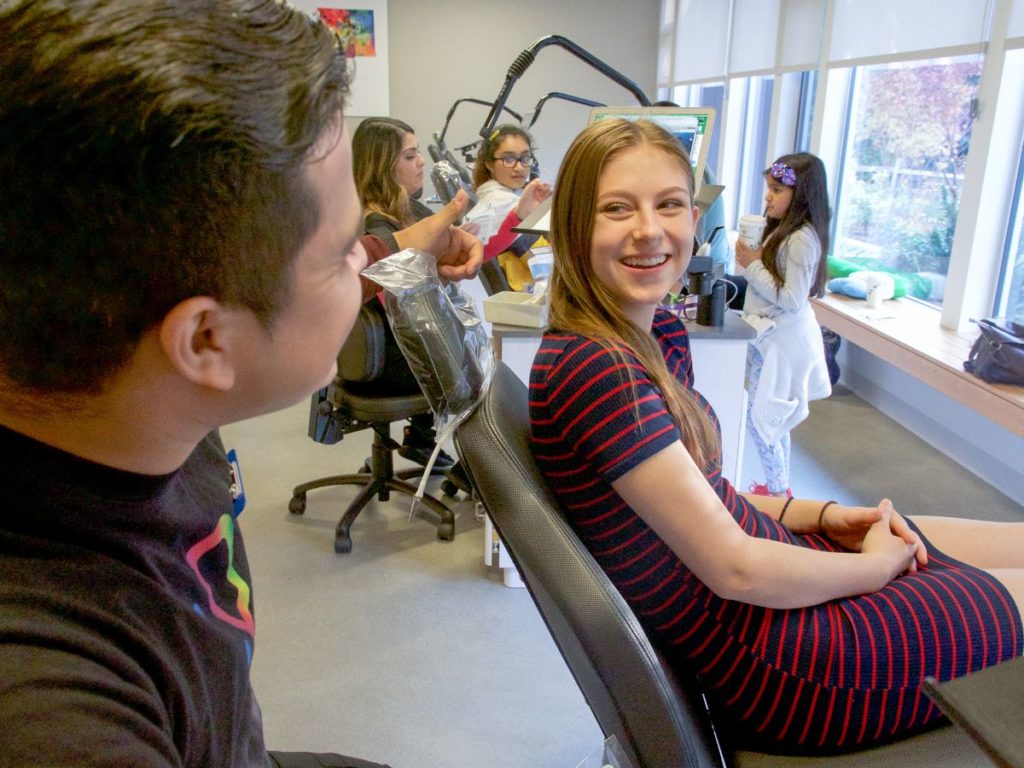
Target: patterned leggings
774, 457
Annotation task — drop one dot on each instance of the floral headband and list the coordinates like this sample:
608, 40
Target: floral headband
783, 173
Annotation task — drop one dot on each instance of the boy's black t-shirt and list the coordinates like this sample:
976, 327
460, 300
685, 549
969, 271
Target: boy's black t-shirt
126, 614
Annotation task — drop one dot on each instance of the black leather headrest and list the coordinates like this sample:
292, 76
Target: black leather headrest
363, 354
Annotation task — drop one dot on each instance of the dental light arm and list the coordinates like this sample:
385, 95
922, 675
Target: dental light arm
439, 143
563, 96
439, 151
525, 59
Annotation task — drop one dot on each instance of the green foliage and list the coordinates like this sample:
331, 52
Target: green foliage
909, 145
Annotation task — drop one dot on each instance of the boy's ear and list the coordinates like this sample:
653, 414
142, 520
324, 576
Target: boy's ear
197, 336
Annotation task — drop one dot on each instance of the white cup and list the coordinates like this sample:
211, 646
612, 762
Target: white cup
751, 229
876, 291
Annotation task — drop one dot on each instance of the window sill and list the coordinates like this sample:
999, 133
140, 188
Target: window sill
907, 334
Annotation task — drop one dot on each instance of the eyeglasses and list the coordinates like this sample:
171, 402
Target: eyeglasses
510, 161
783, 173
682, 305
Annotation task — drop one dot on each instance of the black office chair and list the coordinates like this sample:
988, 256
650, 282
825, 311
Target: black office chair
493, 278
345, 407
659, 718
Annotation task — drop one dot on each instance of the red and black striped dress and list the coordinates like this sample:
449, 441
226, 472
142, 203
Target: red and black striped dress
830, 677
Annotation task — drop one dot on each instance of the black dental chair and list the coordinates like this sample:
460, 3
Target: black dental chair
659, 718
349, 404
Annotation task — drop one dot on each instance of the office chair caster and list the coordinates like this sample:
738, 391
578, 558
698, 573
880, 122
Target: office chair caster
342, 543
445, 531
455, 480
297, 505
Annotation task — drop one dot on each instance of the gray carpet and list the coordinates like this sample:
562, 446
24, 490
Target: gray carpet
411, 651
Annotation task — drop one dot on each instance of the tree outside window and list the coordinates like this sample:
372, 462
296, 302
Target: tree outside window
909, 134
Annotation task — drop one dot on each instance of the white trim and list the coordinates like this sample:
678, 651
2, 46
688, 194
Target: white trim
987, 191
953, 51
822, 85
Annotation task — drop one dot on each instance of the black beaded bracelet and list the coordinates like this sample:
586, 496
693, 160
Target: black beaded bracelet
785, 507
821, 515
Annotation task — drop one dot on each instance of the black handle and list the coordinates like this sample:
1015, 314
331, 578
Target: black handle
525, 59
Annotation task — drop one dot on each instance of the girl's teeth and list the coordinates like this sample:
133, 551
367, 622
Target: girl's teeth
645, 261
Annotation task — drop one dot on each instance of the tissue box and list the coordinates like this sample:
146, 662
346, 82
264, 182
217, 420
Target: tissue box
510, 308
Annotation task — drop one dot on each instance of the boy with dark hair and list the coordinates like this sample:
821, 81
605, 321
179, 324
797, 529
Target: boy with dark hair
178, 250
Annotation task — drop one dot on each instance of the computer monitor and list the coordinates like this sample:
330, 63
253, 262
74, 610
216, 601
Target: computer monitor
691, 125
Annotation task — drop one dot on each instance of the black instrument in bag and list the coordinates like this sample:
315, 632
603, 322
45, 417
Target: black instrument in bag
439, 348
998, 353
438, 330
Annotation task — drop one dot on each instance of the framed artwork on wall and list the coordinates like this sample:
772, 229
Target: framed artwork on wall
364, 26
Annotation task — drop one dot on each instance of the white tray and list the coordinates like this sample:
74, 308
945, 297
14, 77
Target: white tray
509, 308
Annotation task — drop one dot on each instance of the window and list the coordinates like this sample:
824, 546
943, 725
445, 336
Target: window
1010, 295
755, 96
805, 113
905, 149
889, 95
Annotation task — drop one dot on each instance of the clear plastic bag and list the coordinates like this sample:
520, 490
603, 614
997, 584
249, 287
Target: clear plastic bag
448, 181
439, 331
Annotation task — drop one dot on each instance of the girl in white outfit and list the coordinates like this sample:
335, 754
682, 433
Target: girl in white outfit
501, 180
786, 363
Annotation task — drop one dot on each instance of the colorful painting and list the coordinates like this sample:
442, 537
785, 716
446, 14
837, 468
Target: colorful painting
356, 28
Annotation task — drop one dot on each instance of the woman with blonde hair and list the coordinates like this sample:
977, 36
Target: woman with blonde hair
810, 623
388, 168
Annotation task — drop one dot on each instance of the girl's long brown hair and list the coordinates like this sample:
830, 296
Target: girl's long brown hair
376, 146
582, 304
809, 205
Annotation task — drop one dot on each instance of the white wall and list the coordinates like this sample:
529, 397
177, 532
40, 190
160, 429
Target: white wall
444, 50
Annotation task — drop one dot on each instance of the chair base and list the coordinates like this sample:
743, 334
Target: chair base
379, 482
455, 480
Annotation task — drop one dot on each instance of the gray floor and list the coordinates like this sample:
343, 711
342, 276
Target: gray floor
411, 651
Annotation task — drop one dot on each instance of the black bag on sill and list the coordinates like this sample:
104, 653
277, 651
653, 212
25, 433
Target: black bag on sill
998, 354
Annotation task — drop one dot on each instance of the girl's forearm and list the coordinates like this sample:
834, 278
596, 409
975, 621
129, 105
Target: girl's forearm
778, 575
504, 237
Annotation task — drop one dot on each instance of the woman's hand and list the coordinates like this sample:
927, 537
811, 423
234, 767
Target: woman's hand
459, 254
848, 527
898, 526
745, 255
880, 541
534, 193
472, 227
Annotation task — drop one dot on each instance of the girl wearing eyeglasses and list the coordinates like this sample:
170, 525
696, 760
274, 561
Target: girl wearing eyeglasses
501, 177
786, 364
